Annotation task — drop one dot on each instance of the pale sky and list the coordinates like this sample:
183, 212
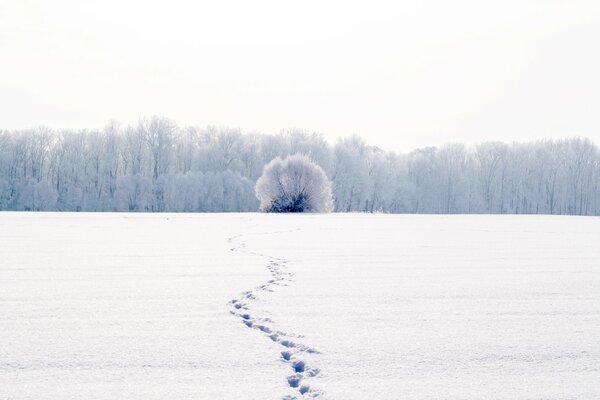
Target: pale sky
401, 74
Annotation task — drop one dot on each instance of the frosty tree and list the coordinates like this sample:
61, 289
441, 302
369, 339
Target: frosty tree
295, 184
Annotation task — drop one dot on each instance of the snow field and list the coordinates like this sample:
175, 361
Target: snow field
339, 306
446, 307
105, 306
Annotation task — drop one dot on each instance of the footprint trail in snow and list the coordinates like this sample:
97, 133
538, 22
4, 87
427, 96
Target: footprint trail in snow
292, 351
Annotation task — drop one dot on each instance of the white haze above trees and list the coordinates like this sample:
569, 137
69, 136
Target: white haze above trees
158, 166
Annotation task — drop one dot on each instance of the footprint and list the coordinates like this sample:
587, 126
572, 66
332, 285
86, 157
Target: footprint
294, 381
304, 389
298, 366
263, 328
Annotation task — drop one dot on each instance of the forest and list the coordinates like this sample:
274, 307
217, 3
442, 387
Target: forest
157, 166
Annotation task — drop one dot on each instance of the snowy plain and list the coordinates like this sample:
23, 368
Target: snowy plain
338, 306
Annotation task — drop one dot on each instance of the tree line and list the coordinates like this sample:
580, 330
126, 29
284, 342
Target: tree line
159, 166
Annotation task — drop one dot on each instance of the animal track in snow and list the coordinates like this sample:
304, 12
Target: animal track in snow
293, 351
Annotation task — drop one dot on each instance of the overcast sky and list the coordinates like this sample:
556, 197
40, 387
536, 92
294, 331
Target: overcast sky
401, 74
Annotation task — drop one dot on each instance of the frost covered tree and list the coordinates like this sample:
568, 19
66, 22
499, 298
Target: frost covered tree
295, 184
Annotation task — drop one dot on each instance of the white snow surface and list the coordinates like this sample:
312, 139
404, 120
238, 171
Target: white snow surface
205, 306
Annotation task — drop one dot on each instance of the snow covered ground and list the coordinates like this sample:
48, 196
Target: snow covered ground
339, 306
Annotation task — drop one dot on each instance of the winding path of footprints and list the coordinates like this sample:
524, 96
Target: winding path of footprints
292, 351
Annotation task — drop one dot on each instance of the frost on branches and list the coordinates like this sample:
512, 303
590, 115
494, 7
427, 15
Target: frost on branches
295, 184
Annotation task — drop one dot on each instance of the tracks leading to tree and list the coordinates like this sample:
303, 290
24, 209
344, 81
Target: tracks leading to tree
292, 351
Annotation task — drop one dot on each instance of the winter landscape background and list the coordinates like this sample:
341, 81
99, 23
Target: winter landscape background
168, 172
158, 166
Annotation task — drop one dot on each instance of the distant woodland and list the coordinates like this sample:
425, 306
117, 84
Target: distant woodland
157, 166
